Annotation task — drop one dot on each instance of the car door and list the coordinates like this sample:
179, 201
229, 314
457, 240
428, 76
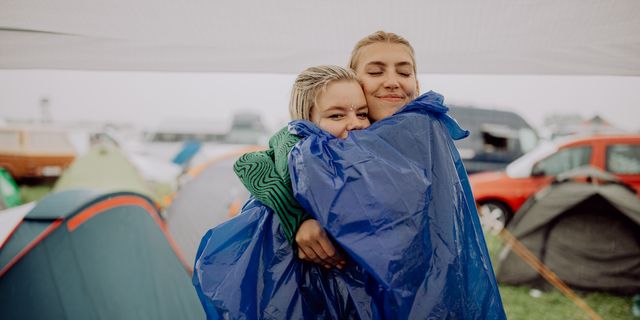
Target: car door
563, 160
623, 160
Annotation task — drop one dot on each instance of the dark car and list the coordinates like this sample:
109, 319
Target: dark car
497, 137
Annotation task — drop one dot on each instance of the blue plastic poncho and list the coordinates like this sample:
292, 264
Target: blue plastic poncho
396, 198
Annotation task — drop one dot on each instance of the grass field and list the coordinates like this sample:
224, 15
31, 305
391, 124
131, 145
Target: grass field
519, 304
553, 305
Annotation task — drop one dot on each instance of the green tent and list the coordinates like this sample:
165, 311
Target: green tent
104, 168
586, 233
83, 255
9, 192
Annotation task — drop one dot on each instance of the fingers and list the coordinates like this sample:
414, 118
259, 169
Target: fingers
307, 254
302, 255
313, 252
331, 255
314, 245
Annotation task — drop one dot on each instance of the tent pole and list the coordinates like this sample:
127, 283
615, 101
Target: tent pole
546, 273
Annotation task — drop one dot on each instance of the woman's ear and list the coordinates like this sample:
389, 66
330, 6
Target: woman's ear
311, 114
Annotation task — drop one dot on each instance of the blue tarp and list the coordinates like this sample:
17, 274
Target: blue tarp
189, 149
396, 198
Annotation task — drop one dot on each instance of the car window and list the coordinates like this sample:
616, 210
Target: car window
623, 159
563, 160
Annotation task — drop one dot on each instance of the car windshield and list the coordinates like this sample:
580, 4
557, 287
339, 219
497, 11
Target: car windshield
521, 167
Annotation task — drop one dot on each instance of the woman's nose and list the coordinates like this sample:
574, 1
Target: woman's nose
355, 123
391, 81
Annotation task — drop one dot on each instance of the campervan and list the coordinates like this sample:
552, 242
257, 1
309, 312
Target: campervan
33, 152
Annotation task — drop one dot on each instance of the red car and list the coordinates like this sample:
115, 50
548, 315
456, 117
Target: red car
502, 193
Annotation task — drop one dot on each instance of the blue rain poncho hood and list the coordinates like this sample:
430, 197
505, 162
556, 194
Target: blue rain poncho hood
396, 198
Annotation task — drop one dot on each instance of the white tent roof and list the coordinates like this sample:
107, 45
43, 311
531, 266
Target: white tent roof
576, 37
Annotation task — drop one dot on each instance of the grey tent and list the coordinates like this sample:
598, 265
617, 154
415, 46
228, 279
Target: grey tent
587, 233
205, 201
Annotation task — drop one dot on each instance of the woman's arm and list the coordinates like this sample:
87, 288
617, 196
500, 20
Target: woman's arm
266, 176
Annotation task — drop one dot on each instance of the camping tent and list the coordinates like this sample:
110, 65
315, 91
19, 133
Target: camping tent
103, 168
208, 199
83, 255
10, 218
587, 233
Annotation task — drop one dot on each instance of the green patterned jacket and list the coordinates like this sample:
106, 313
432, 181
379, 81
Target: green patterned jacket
266, 176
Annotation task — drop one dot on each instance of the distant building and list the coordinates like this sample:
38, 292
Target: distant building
558, 125
247, 128
180, 130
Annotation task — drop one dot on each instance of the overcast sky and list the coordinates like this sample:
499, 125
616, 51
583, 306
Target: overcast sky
148, 98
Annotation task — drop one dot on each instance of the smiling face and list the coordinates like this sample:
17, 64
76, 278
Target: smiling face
340, 108
386, 71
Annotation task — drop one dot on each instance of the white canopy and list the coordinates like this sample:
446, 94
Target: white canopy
573, 37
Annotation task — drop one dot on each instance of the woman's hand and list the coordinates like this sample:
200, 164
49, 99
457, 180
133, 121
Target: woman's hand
314, 245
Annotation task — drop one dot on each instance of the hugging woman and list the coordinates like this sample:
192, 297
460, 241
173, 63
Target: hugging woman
384, 217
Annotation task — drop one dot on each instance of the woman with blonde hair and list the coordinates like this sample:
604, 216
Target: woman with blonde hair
390, 207
395, 198
244, 265
385, 65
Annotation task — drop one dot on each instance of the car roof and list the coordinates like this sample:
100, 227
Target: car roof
598, 138
519, 167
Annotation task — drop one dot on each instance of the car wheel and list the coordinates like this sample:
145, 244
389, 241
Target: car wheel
494, 215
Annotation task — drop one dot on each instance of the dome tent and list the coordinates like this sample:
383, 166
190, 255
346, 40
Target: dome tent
585, 227
83, 255
104, 168
210, 195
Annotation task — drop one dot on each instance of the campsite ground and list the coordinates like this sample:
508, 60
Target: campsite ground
518, 302
519, 305
552, 305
